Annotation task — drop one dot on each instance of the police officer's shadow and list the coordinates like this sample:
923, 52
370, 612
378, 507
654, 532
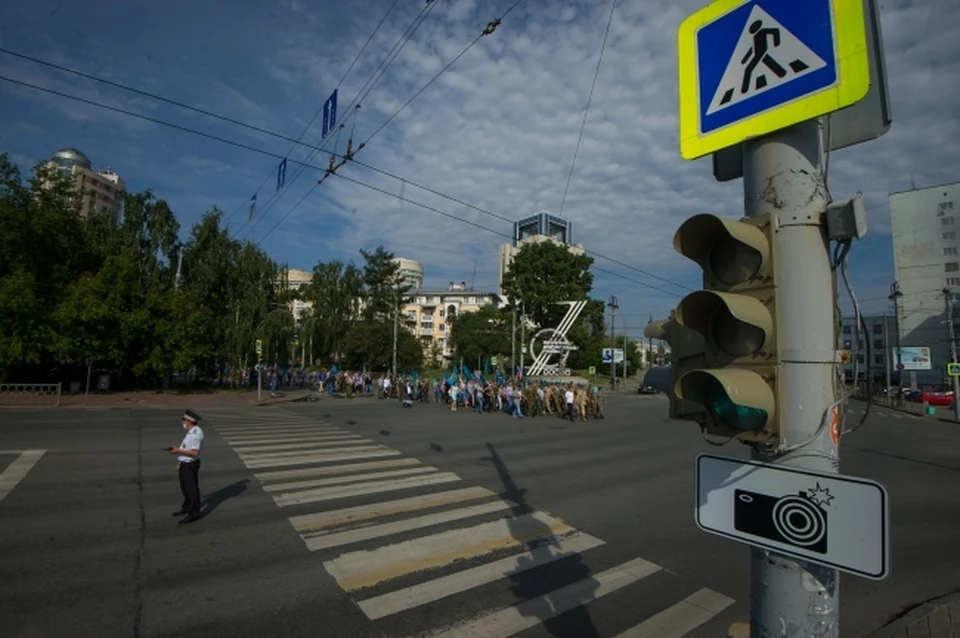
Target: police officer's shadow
212, 500
564, 615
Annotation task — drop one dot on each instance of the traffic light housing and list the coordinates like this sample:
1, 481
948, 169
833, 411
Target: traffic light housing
735, 384
686, 354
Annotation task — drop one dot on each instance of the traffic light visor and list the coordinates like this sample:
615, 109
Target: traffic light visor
736, 325
729, 251
739, 399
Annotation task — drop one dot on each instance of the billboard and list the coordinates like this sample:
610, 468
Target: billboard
912, 358
617, 355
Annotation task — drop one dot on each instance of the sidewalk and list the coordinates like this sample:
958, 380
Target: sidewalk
942, 413
938, 618
160, 399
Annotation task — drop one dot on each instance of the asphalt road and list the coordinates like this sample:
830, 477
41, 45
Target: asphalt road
471, 524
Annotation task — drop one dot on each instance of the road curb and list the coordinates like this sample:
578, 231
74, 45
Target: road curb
905, 411
901, 625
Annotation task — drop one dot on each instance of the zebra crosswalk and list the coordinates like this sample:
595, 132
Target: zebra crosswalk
400, 536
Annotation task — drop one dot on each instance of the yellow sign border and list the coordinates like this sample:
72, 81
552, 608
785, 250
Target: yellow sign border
853, 69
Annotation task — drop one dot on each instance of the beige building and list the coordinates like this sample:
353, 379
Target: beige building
429, 311
100, 191
411, 271
297, 279
509, 251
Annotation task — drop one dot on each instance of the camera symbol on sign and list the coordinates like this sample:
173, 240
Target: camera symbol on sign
800, 521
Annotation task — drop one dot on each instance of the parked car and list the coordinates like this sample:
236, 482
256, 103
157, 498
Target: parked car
937, 397
647, 389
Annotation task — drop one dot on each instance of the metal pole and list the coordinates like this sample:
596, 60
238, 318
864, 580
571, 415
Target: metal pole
624, 350
948, 298
523, 320
887, 362
895, 295
396, 318
612, 305
259, 378
783, 176
513, 341
650, 348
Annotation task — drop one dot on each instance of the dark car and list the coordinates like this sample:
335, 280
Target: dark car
647, 389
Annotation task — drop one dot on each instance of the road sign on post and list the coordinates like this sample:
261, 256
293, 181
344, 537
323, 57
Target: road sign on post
838, 521
953, 369
751, 68
259, 347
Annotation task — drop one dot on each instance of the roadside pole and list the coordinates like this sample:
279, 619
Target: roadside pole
783, 176
948, 299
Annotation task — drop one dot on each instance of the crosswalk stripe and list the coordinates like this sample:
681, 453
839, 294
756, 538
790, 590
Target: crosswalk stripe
302, 445
328, 470
680, 619
320, 458
343, 491
18, 469
280, 430
298, 438
530, 613
359, 569
260, 456
352, 478
337, 539
307, 523
434, 590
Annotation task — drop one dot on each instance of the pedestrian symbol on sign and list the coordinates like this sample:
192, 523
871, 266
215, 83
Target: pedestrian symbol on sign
767, 55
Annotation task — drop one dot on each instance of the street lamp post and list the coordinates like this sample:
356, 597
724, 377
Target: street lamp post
895, 296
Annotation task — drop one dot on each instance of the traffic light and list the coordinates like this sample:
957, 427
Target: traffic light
686, 353
736, 382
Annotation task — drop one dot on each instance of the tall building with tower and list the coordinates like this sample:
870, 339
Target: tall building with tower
536, 228
925, 223
97, 191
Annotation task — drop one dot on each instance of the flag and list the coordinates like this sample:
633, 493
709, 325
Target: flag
500, 376
335, 369
253, 206
282, 174
486, 365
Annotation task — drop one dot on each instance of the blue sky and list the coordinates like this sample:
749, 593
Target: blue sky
497, 130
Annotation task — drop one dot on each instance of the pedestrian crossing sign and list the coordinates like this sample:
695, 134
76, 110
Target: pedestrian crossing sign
953, 369
748, 68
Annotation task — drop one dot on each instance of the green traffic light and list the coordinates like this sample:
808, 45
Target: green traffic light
740, 417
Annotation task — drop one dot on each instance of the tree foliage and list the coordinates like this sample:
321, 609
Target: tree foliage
481, 334
543, 274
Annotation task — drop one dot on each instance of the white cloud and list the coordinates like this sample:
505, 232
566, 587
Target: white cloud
499, 129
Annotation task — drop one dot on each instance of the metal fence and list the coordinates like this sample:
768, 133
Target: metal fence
42, 394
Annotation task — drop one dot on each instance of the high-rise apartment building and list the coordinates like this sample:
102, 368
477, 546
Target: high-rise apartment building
99, 191
411, 271
926, 255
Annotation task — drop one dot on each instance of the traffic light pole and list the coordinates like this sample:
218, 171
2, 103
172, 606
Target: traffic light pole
783, 176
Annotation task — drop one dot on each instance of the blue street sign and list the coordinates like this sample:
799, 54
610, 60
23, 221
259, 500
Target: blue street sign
330, 113
750, 68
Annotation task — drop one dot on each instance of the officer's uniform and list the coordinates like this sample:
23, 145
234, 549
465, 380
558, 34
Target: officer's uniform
190, 469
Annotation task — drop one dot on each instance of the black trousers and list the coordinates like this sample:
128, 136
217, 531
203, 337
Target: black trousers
190, 486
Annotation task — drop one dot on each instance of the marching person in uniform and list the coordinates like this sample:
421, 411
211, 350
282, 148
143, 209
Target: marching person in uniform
188, 467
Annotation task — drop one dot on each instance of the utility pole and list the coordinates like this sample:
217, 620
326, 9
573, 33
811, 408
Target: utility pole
887, 361
513, 341
396, 318
783, 176
624, 351
895, 296
948, 301
613, 305
523, 321
650, 348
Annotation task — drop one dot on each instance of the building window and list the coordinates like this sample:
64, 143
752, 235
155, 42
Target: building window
847, 345
951, 267
878, 359
877, 329
878, 343
441, 313
946, 206
950, 236
859, 358
947, 221
847, 330
953, 281
950, 250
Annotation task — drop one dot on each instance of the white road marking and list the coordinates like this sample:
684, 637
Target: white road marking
351, 478
682, 618
329, 470
343, 491
439, 588
270, 440
320, 458
306, 446
359, 569
15, 472
530, 613
308, 523
387, 529
256, 456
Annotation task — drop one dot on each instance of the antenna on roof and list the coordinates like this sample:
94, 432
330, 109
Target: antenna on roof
473, 281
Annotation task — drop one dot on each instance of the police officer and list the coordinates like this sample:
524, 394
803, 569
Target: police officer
188, 467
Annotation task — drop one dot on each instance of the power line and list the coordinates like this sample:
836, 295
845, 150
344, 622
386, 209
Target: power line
305, 165
586, 111
351, 109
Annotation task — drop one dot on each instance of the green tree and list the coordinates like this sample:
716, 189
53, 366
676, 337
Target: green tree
480, 334
544, 273
383, 287
370, 343
334, 293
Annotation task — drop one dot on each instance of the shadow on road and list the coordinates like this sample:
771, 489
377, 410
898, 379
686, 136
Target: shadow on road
528, 583
214, 499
